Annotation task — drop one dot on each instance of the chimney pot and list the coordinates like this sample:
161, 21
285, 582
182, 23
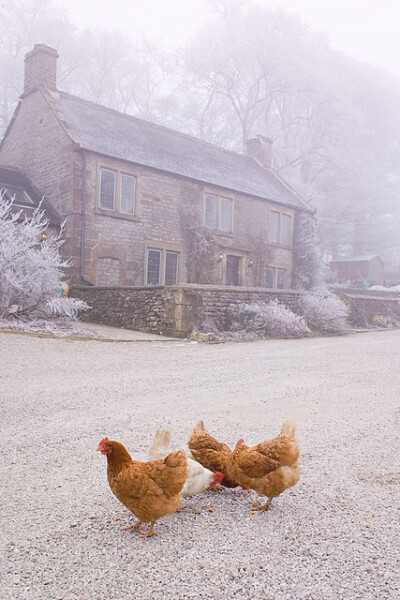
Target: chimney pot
40, 68
260, 148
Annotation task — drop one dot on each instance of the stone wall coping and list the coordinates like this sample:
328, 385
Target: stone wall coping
363, 293
118, 287
192, 286
384, 297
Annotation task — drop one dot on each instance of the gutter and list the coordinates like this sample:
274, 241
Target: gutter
83, 222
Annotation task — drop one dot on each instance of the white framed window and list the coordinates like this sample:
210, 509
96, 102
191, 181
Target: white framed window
281, 279
171, 267
218, 213
276, 277
108, 180
210, 217
162, 267
153, 267
117, 192
128, 194
270, 277
225, 214
280, 228
274, 218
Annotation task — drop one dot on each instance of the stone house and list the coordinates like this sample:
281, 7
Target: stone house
146, 205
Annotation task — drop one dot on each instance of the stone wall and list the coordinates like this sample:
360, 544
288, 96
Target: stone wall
143, 309
171, 310
177, 310
364, 307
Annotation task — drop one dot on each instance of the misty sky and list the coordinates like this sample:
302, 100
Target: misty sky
365, 29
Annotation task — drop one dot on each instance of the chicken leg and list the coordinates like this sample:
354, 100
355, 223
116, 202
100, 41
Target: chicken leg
148, 533
133, 527
263, 507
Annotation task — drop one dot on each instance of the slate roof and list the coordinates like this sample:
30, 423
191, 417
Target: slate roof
108, 132
365, 258
16, 183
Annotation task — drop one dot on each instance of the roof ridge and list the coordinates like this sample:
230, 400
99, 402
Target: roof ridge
159, 126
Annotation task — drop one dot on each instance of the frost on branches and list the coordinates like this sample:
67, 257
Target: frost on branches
324, 312
272, 319
31, 272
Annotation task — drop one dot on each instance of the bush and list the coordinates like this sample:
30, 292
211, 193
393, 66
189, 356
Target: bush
272, 319
31, 270
324, 312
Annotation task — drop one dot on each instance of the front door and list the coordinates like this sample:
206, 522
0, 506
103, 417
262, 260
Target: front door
232, 269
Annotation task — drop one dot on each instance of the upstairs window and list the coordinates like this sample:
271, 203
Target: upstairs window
274, 227
107, 189
218, 213
225, 214
128, 194
280, 228
117, 192
286, 229
211, 211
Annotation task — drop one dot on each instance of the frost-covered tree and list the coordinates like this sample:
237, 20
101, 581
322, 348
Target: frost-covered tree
31, 268
307, 266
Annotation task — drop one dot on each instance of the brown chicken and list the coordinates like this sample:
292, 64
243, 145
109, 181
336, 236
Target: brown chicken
270, 467
210, 453
149, 490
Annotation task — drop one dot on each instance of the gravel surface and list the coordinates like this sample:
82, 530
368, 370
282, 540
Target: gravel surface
334, 536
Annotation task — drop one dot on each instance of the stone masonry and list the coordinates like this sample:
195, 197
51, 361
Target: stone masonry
178, 310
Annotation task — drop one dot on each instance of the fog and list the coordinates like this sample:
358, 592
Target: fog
322, 82
364, 29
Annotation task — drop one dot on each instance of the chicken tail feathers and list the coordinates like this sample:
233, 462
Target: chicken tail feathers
160, 447
289, 429
199, 428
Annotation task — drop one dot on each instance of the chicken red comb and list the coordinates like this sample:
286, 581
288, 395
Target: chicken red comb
103, 441
240, 442
218, 477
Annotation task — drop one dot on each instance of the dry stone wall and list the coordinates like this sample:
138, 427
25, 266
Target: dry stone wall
178, 310
170, 310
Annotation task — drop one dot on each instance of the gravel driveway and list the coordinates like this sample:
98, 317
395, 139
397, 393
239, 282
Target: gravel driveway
335, 536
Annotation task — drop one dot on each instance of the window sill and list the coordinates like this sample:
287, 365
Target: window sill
215, 231
115, 215
277, 245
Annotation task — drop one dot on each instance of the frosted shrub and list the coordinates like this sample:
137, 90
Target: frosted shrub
250, 321
324, 312
31, 270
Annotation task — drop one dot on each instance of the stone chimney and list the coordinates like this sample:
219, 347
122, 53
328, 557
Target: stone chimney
260, 148
40, 68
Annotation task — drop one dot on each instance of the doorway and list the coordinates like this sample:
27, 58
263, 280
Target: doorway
233, 269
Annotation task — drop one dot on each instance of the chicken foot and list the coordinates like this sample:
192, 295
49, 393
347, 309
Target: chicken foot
133, 527
263, 507
148, 533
